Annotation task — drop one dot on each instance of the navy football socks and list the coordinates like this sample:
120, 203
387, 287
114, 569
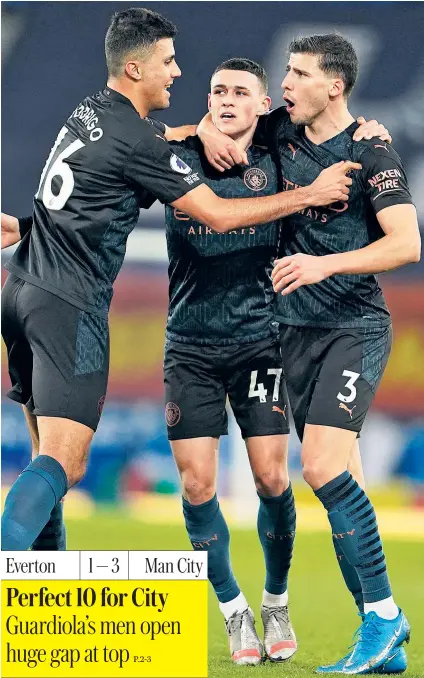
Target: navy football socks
355, 529
208, 531
276, 529
350, 576
53, 535
30, 502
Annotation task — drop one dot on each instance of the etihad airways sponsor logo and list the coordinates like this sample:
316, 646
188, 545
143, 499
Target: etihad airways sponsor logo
206, 230
198, 229
387, 180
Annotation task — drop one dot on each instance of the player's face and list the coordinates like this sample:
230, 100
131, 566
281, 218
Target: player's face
158, 72
307, 89
236, 100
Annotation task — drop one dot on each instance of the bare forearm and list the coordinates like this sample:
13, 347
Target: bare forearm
238, 213
386, 254
10, 230
224, 215
180, 133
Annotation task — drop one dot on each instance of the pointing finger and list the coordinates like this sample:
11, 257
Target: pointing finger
349, 165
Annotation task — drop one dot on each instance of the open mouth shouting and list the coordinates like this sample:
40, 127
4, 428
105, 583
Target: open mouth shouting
290, 103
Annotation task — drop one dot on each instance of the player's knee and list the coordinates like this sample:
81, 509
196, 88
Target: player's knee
75, 471
314, 474
74, 476
197, 490
271, 484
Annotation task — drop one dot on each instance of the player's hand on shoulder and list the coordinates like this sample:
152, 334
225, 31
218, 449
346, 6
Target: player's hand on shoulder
221, 151
332, 184
9, 230
371, 128
292, 272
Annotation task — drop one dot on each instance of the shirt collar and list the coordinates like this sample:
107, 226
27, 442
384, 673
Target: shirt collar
117, 96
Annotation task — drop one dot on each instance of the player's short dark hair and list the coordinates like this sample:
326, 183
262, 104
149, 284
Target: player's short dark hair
336, 56
241, 64
133, 30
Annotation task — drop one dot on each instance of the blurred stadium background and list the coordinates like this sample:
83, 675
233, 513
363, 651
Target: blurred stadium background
52, 56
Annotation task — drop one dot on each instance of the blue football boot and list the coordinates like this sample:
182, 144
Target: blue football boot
377, 640
396, 664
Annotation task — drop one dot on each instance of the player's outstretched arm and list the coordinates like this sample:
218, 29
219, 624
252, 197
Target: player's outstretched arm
400, 245
180, 133
223, 153
10, 233
223, 215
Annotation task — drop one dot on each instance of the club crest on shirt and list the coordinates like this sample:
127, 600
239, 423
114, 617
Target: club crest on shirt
255, 179
179, 165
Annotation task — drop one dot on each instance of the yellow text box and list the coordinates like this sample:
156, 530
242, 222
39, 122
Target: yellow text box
92, 629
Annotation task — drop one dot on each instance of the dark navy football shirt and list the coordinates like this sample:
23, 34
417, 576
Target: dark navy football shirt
341, 300
106, 164
220, 289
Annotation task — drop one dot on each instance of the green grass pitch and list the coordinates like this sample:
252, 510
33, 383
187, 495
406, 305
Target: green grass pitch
322, 611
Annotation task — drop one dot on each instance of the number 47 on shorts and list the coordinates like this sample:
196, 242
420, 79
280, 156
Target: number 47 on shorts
259, 391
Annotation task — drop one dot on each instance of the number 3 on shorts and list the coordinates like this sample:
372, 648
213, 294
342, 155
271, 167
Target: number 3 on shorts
259, 390
353, 376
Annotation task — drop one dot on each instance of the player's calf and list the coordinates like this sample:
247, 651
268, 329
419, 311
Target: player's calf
276, 529
32, 498
30, 501
68, 442
53, 535
208, 531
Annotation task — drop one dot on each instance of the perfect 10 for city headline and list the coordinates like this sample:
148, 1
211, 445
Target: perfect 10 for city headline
87, 597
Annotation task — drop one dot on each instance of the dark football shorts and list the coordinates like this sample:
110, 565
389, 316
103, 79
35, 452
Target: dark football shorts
58, 355
332, 374
199, 378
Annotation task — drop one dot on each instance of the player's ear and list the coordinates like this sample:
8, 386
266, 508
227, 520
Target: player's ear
265, 105
336, 88
133, 70
209, 102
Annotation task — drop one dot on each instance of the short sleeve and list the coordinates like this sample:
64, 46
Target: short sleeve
154, 167
270, 126
384, 175
25, 225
